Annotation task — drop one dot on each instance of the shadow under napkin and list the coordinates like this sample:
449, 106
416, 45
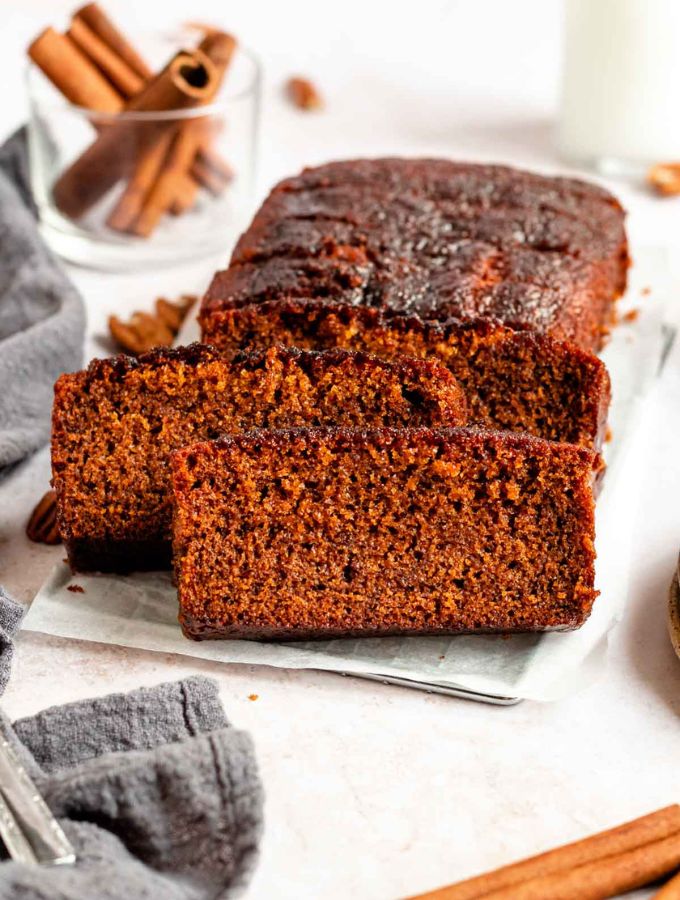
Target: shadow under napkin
42, 318
158, 794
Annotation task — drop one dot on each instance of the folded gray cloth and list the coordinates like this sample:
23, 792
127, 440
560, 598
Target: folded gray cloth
158, 794
42, 318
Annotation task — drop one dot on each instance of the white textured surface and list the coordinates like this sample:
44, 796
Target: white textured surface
140, 610
377, 792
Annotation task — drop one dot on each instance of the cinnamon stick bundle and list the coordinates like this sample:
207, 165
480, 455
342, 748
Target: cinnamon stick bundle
185, 82
600, 866
163, 184
129, 72
95, 66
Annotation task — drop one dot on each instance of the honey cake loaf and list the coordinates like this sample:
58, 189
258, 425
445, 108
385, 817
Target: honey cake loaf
115, 425
439, 239
336, 532
514, 380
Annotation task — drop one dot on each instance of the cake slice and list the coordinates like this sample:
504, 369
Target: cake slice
514, 380
335, 532
115, 425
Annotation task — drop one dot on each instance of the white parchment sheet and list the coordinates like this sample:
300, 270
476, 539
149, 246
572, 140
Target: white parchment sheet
141, 610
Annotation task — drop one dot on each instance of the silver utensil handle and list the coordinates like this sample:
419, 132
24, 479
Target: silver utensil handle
13, 837
33, 817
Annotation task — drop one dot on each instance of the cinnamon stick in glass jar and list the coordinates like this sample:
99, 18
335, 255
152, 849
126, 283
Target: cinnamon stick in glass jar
73, 73
171, 186
126, 81
94, 17
187, 80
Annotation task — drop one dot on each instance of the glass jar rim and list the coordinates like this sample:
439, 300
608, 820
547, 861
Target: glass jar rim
222, 102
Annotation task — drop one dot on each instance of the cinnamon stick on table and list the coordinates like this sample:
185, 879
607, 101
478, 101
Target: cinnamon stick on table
599, 866
185, 82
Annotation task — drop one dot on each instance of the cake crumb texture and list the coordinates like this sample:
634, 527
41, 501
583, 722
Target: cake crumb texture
115, 425
513, 380
322, 532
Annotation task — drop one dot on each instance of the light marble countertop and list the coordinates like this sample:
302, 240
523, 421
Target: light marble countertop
378, 792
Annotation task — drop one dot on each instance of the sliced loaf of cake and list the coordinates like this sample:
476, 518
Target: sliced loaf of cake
115, 425
514, 380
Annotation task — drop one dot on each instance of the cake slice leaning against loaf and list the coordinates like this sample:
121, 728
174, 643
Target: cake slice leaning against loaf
335, 532
514, 380
115, 425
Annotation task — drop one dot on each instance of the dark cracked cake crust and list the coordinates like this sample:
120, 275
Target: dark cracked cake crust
329, 532
519, 381
115, 425
439, 239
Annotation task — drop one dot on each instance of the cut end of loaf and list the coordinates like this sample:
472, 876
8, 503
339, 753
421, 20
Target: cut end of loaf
320, 532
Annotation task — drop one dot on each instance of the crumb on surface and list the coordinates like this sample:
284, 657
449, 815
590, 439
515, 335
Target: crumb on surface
631, 316
609, 434
76, 588
253, 696
645, 292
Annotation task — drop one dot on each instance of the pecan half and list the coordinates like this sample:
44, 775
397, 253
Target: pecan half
173, 314
144, 330
42, 525
665, 178
304, 94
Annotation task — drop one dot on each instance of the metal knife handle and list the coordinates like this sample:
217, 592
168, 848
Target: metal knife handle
40, 829
13, 837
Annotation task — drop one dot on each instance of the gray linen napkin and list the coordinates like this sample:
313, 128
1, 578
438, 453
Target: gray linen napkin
158, 794
42, 318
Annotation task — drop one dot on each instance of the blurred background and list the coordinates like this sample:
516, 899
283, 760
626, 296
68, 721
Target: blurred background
477, 79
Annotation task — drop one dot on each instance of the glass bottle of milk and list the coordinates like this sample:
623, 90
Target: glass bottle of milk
621, 84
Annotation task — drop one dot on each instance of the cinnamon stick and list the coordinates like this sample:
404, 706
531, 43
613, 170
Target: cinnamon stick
185, 195
184, 82
136, 193
602, 878
208, 168
119, 73
173, 187
97, 21
211, 171
73, 73
174, 171
652, 830
670, 890
219, 46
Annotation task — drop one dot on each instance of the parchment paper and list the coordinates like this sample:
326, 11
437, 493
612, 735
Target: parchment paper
141, 610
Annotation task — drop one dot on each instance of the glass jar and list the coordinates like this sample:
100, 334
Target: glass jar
621, 70
107, 216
